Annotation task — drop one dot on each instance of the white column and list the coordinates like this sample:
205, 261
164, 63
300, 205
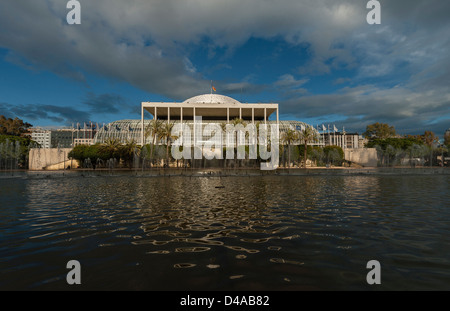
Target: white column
181, 122
240, 112
142, 124
228, 114
194, 125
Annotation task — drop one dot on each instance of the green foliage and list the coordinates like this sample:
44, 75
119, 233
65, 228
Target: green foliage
77, 153
128, 152
104, 152
15, 127
301, 151
317, 155
379, 131
14, 148
447, 138
398, 143
334, 155
24, 141
429, 138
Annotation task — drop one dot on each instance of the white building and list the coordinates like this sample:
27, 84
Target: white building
342, 139
42, 137
61, 138
211, 107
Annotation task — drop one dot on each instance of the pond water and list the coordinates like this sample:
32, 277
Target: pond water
225, 233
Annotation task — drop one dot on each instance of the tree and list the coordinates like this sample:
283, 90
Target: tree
79, 153
15, 127
447, 137
379, 130
165, 133
317, 155
128, 151
390, 153
307, 134
235, 122
289, 137
399, 143
334, 153
429, 138
14, 149
153, 129
223, 126
110, 149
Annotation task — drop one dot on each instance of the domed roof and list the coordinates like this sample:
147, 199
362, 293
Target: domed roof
211, 99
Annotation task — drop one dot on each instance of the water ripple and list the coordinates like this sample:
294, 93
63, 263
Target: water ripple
318, 231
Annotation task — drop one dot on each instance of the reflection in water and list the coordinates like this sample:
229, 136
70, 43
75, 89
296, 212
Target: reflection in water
272, 232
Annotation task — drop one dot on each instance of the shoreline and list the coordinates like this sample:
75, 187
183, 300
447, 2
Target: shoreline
221, 172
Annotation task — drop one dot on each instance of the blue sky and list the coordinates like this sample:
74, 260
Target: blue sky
319, 59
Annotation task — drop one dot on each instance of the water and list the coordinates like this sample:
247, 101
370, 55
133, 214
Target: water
225, 233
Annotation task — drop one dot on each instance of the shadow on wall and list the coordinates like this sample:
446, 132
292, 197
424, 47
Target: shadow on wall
50, 159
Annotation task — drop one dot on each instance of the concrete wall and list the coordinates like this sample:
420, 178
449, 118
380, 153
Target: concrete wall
363, 156
50, 159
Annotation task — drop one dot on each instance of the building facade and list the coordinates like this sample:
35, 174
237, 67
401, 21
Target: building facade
342, 139
42, 137
63, 138
212, 108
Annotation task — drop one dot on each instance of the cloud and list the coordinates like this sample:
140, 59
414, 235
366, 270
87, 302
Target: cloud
289, 86
399, 70
33, 112
105, 103
341, 81
356, 107
288, 81
148, 45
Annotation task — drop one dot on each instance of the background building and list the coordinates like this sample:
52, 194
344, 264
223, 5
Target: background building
42, 137
342, 139
63, 138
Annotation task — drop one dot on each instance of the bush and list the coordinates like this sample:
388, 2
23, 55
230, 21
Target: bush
14, 148
333, 155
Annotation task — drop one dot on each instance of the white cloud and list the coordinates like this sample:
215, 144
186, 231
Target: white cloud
146, 43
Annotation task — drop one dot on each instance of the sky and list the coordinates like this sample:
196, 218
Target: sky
318, 59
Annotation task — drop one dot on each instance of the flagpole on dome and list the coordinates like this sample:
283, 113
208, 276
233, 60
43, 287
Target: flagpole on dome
212, 89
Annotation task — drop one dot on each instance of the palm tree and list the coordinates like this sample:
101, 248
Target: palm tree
289, 137
223, 126
166, 134
307, 134
236, 122
153, 129
128, 151
111, 147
